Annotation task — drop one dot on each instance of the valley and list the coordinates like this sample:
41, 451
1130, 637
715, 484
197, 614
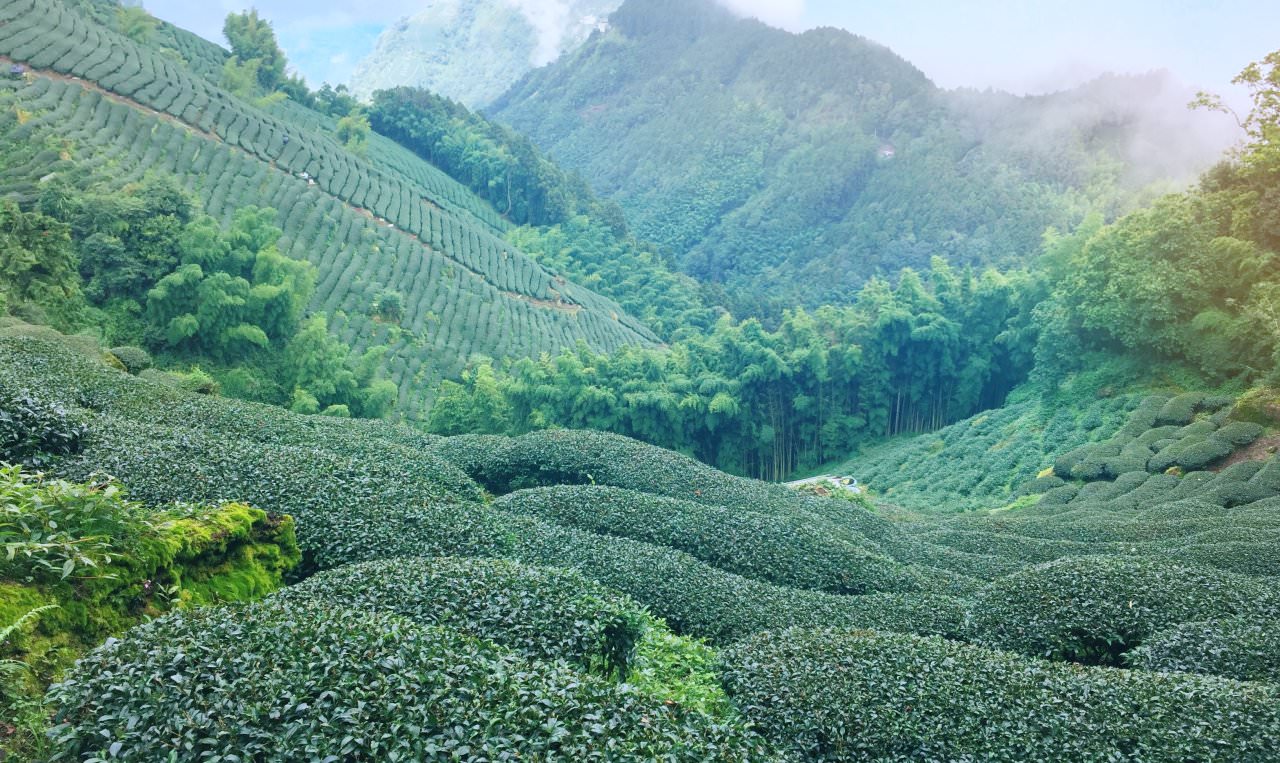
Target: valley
357, 425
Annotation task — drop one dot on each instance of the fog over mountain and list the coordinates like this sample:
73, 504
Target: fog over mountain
473, 50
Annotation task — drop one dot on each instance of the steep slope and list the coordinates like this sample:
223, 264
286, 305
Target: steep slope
473, 50
95, 104
814, 161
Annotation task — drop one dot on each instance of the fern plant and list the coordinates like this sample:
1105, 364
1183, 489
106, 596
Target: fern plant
11, 669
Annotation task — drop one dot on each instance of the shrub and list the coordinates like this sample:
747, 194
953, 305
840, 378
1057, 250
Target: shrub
1039, 485
197, 381
1155, 488
1063, 464
776, 548
1152, 436
1094, 609
1181, 409
50, 529
1239, 433
1190, 485
1217, 403
1260, 405
833, 695
32, 430
1234, 487
1143, 417
580, 457
1132, 458
107, 562
348, 509
134, 359
1092, 464
699, 600
1060, 495
1198, 455
541, 613
1239, 648
283, 681
1269, 475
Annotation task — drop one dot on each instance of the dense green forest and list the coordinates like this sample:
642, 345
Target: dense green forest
347, 432
791, 168
1179, 293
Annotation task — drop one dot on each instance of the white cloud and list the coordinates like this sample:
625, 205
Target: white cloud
787, 14
549, 19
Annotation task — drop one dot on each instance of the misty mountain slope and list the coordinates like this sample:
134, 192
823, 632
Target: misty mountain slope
473, 50
814, 161
116, 112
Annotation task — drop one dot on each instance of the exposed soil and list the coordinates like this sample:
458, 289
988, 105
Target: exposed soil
1261, 449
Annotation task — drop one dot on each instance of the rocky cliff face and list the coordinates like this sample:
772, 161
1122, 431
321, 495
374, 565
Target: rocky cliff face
473, 50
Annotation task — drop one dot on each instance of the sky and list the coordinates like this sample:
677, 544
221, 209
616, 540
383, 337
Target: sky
1030, 46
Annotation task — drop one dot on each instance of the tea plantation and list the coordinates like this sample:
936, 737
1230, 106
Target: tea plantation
581, 596
94, 106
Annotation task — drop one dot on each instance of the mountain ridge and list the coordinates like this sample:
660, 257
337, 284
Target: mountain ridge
751, 154
473, 50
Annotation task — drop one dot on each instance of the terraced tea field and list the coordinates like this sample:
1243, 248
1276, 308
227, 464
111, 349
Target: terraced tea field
94, 102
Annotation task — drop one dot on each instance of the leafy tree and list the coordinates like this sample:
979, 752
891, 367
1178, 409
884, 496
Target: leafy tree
336, 102
353, 130
126, 239
253, 43
908, 357
135, 23
37, 262
315, 365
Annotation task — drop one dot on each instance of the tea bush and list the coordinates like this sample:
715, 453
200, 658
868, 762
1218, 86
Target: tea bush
348, 509
134, 359
699, 600
836, 695
102, 562
33, 430
540, 613
776, 548
1239, 648
276, 680
1095, 609
580, 457
1180, 409
983, 461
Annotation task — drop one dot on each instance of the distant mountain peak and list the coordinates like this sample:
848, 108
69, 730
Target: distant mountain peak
473, 50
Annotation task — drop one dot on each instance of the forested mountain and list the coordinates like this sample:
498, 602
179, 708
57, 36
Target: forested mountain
811, 162
473, 50
1180, 293
162, 192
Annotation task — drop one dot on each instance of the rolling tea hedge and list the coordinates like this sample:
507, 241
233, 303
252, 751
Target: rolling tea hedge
1094, 609
1243, 648
270, 681
563, 619
838, 695
582, 457
543, 614
780, 549
700, 600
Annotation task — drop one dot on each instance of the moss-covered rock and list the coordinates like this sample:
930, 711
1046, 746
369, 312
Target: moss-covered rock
1260, 405
189, 555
